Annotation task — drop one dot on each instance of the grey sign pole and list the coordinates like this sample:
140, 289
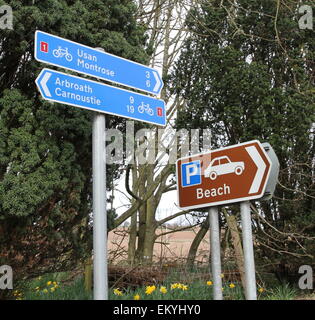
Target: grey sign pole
100, 273
99, 209
249, 262
215, 250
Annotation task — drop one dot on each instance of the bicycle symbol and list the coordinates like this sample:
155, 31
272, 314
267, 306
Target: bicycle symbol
145, 108
60, 53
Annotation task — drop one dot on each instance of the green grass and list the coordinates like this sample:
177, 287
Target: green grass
283, 292
56, 287
52, 287
40, 289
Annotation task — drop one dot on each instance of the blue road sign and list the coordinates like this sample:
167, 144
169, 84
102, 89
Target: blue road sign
79, 92
73, 56
191, 173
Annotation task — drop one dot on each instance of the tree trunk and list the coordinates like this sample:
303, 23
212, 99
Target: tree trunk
133, 229
237, 244
132, 239
196, 242
150, 229
88, 275
141, 233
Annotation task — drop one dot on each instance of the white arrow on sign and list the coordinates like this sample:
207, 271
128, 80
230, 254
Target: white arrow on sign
261, 166
158, 82
43, 83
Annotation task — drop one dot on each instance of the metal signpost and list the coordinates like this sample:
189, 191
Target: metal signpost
249, 262
77, 57
100, 248
100, 275
215, 253
83, 93
224, 176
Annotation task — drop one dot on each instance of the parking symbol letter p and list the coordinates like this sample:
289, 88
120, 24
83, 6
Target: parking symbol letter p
191, 170
191, 173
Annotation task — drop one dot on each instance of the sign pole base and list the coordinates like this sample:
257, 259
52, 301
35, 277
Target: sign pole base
249, 262
215, 250
99, 209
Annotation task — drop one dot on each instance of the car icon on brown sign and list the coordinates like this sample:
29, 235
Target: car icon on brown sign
223, 165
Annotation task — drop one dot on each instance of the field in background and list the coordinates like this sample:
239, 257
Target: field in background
167, 247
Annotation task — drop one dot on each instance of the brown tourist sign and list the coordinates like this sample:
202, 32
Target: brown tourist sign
231, 174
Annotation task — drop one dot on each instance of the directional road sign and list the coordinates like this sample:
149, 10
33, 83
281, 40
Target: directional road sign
71, 90
73, 56
232, 174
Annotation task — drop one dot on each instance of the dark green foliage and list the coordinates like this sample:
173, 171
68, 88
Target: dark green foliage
45, 149
247, 75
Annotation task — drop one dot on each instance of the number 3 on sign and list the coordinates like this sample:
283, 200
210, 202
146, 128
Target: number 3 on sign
148, 82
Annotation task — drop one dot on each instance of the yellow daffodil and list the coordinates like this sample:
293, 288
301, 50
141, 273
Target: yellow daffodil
117, 292
150, 289
209, 283
222, 275
54, 283
163, 290
174, 286
52, 289
261, 290
232, 285
37, 288
179, 286
45, 291
136, 297
49, 283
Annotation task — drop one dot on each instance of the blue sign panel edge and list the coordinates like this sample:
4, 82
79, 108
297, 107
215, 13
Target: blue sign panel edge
88, 74
39, 77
